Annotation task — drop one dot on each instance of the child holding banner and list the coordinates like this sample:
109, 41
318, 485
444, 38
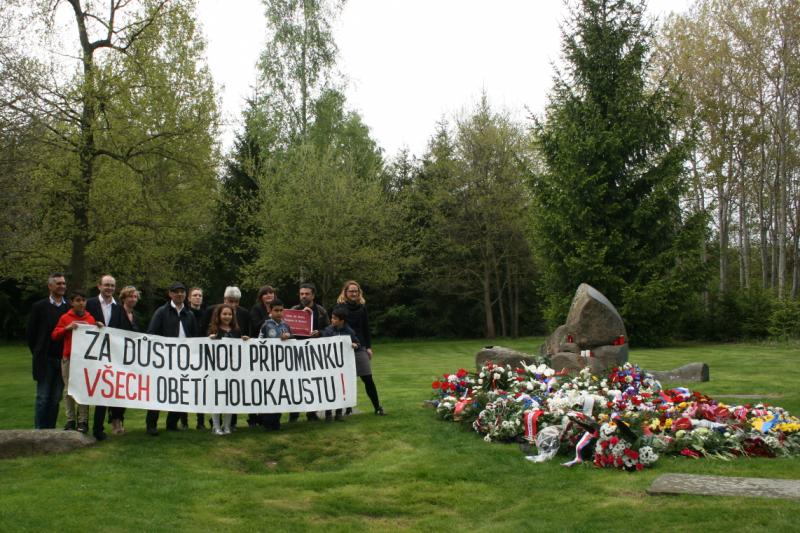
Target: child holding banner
338, 326
63, 332
275, 327
223, 326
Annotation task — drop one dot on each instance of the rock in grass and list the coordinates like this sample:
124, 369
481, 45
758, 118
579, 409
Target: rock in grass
691, 373
20, 442
593, 320
500, 355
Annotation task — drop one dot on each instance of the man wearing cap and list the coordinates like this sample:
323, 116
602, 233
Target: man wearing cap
173, 319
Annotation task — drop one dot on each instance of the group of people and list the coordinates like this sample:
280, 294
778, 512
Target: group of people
53, 319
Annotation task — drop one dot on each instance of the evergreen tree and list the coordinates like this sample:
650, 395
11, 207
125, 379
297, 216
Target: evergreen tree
608, 210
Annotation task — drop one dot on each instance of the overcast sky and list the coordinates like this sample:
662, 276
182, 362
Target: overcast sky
410, 62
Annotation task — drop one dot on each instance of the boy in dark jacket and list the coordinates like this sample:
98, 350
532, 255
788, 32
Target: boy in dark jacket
338, 327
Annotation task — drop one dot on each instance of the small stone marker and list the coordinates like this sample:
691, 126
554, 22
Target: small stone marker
751, 487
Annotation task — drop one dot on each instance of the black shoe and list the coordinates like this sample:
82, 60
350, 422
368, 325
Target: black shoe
293, 417
379, 411
348, 411
312, 416
100, 436
70, 425
152, 431
83, 427
328, 417
172, 428
201, 426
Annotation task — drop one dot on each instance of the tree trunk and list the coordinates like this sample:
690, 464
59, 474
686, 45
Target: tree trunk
744, 232
487, 304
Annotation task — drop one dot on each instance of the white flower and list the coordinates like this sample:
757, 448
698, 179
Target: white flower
510, 375
529, 386
487, 438
549, 372
482, 374
480, 381
496, 376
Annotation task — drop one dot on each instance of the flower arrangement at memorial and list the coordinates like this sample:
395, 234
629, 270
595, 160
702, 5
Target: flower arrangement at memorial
621, 420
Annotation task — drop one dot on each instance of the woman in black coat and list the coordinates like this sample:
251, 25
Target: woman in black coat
357, 318
122, 317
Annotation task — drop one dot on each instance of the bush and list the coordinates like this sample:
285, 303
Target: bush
784, 323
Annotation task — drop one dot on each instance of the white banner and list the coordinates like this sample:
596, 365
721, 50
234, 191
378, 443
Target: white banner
121, 368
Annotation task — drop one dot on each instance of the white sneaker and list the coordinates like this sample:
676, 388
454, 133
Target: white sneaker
226, 431
218, 431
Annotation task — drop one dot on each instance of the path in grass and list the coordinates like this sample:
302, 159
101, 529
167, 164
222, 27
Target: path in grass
406, 471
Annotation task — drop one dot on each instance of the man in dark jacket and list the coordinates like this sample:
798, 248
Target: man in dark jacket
319, 321
46, 352
101, 306
173, 319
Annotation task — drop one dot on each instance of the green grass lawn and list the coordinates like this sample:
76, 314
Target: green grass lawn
405, 471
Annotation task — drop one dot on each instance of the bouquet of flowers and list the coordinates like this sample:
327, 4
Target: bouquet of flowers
622, 419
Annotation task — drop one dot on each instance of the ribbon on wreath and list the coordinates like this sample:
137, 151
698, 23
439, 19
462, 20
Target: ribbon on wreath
529, 420
582, 443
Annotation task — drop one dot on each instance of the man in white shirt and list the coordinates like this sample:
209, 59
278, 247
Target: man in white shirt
101, 307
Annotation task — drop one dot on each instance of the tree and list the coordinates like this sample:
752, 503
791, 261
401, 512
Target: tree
297, 63
607, 208
125, 136
473, 206
325, 215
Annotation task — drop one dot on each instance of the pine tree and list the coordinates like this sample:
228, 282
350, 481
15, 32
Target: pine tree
607, 203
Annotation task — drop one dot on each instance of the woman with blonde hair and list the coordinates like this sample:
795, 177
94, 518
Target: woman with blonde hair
122, 317
357, 318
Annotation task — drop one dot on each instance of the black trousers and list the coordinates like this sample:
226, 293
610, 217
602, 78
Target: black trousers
172, 419
114, 413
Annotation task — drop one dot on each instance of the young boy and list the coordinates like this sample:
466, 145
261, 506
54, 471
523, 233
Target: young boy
63, 332
338, 327
274, 327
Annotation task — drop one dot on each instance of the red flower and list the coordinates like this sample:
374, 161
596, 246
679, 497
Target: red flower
639, 467
614, 441
436, 385
690, 453
681, 423
461, 373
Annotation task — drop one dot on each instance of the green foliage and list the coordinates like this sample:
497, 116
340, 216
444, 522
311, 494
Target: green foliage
325, 216
784, 322
121, 156
607, 203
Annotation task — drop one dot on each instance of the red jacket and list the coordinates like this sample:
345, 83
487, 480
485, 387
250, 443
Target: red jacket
61, 333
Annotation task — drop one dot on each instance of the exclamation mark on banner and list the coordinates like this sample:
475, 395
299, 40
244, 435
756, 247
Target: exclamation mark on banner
341, 375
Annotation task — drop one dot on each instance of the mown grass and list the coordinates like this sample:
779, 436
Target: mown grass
405, 471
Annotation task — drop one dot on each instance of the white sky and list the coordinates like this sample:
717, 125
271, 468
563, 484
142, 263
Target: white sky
410, 62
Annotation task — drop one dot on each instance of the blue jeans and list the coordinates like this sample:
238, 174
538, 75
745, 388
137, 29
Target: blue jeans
49, 390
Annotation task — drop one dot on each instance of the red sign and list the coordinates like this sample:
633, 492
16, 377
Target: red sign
299, 320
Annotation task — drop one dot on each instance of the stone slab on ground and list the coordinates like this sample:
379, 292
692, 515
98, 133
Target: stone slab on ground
691, 373
748, 396
21, 442
501, 355
749, 487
